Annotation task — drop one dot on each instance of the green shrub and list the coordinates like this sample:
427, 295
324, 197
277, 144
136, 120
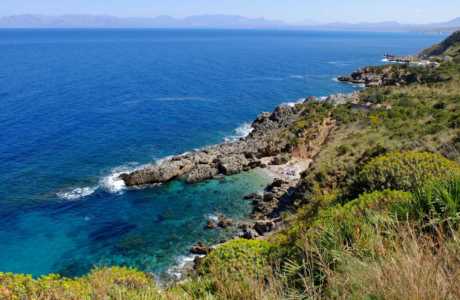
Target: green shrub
343, 149
104, 283
238, 255
337, 232
438, 203
354, 225
405, 171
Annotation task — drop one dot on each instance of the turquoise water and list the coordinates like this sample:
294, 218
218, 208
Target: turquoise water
79, 106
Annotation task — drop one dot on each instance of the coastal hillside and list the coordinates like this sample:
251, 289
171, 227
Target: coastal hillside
449, 48
374, 214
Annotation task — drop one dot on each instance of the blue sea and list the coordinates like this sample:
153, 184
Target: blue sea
77, 107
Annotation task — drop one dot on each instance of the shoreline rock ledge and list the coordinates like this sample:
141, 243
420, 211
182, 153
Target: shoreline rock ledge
229, 158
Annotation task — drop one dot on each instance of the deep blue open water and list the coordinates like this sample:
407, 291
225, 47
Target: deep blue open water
79, 106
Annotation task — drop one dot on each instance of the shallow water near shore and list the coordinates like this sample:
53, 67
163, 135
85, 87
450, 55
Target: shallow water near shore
77, 107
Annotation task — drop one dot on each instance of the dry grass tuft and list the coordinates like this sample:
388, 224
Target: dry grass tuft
424, 267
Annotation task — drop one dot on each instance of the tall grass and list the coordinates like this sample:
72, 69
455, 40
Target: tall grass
420, 267
438, 203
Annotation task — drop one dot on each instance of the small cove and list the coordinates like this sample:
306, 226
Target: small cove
78, 106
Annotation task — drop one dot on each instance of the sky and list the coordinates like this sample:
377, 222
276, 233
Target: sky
404, 11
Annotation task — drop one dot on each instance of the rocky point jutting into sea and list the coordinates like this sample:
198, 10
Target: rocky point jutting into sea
266, 147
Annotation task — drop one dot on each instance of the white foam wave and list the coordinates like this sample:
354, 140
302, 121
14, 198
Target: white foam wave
212, 217
244, 130
177, 271
339, 63
358, 85
297, 76
112, 183
77, 193
293, 103
163, 159
241, 131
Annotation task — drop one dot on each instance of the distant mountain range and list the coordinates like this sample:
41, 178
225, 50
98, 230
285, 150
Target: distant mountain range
209, 21
99, 21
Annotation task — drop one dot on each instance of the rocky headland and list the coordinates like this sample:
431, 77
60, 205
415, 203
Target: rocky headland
394, 75
229, 158
265, 146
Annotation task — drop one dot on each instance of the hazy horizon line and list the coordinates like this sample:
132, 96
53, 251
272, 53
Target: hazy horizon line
307, 21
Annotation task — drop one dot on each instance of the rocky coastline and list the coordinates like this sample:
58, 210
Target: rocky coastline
223, 159
266, 145
395, 75
265, 148
399, 59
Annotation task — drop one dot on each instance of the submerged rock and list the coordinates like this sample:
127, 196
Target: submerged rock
252, 196
211, 225
224, 222
220, 222
113, 229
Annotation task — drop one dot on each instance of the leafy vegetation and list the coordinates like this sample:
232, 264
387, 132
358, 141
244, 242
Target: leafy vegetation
237, 255
112, 283
405, 171
444, 48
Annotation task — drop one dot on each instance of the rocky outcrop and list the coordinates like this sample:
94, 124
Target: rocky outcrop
275, 198
400, 59
340, 98
210, 224
264, 226
227, 158
248, 234
220, 222
224, 222
394, 75
200, 249
258, 228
